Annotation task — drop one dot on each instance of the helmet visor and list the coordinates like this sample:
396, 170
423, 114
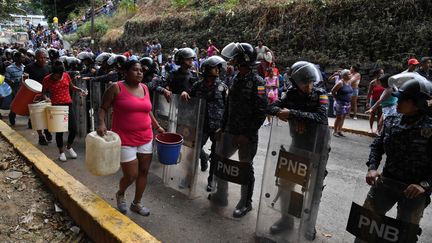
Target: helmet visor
231, 50
306, 73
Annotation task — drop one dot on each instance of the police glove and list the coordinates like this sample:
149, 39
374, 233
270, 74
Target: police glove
283, 114
372, 177
413, 191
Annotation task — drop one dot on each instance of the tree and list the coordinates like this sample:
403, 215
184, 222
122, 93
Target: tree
8, 7
63, 7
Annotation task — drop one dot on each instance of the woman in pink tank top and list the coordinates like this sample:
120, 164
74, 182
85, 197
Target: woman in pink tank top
133, 122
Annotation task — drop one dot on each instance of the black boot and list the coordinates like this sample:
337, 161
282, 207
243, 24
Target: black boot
204, 157
48, 136
281, 225
245, 203
220, 197
42, 141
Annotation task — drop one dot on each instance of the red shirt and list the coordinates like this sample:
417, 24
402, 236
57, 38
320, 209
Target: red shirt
59, 90
376, 92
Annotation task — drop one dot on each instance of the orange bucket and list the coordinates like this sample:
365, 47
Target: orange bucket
25, 96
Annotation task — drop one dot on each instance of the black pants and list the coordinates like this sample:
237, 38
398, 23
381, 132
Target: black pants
212, 160
15, 87
72, 127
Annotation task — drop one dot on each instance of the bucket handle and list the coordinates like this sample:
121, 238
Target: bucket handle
179, 158
36, 99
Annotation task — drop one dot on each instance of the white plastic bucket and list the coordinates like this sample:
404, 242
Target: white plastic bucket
58, 118
38, 115
102, 153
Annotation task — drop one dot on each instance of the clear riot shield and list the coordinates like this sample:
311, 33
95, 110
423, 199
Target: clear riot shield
292, 185
374, 219
185, 118
80, 108
95, 101
233, 164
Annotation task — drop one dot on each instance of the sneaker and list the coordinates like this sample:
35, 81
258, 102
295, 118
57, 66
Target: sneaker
42, 141
121, 203
140, 209
355, 118
341, 134
63, 157
72, 153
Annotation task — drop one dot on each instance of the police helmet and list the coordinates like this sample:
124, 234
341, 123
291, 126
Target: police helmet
304, 73
8, 53
117, 60
213, 61
72, 60
183, 53
417, 89
30, 53
103, 57
243, 53
53, 54
150, 64
85, 55
63, 59
399, 79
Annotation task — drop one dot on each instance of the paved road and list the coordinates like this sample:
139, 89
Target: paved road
174, 218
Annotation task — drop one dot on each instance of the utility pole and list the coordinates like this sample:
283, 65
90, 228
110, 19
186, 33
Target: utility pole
92, 25
55, 8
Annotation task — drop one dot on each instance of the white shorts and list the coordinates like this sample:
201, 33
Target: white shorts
129, 153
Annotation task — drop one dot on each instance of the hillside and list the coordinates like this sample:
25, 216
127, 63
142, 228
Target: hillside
330, 32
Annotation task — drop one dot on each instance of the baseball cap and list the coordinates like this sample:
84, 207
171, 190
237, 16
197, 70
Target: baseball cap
413, 61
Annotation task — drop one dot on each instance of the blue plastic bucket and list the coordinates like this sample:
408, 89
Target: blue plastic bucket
168, 147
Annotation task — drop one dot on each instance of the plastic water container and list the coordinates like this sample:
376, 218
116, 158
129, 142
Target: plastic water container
38, 115
57, 118
102, 153
168, 147
27, 92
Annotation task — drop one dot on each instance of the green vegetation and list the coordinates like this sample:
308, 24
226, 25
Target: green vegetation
180, 3
329, 32
8, 7
101, 26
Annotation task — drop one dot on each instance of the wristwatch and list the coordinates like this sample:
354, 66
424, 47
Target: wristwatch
425, 185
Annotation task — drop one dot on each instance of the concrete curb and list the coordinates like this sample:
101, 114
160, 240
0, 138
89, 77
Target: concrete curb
100, 221
358, 132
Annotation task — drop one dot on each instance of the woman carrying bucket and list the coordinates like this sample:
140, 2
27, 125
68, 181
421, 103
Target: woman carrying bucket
58, 85
132, 121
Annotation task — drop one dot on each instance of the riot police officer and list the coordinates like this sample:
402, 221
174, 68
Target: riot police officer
305, 108
214, 91
88, 60
115, 65
151, 78
243, 116
102, 60
182, 79
53, 55
406, 140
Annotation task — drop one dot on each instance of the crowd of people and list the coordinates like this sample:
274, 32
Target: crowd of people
239, 95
